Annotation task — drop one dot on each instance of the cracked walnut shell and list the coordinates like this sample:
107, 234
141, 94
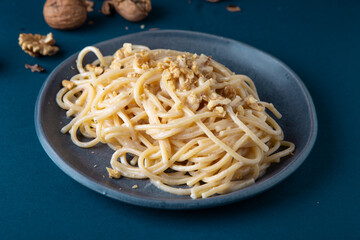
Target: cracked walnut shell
36, 44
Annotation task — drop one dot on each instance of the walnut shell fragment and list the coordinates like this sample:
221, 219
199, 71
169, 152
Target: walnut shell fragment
65, 14
133, 10
107, 8
36, 44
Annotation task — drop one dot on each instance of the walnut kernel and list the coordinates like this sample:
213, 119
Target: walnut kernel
36, 44
113, 173
89, 6
253, 103
34, 68
107, 8
97, 70
67, 84
233, 8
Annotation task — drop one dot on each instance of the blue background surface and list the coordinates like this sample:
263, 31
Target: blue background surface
319, 40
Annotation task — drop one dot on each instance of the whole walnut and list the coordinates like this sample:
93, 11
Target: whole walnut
133, 10
65, 14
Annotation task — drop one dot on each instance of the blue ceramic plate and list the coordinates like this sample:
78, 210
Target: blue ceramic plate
275, 82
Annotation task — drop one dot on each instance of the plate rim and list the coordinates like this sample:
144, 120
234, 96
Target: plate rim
177, 203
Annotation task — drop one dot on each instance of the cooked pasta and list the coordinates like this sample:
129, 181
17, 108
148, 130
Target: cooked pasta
182, 120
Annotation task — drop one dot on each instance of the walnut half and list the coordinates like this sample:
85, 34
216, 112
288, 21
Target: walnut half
36, 44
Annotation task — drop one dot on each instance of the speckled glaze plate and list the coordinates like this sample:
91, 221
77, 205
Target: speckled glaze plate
275, 82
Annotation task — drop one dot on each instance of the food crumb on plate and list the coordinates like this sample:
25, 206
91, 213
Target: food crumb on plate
113, 173
135, 186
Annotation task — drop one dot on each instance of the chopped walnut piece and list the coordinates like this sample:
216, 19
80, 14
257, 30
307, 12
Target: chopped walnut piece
133, 75
127, 49
240, 110
89, 6
192, 99
68, 84
34, 68
254, 104
233, 8
36, 44
220, 111
113, 173
92, 68
142, 60
120, 54
217, 100
228, 92
107, 8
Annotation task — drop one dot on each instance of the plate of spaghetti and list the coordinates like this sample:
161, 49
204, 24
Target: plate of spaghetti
175, 119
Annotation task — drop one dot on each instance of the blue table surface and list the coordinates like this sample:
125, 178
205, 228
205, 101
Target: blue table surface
319, 40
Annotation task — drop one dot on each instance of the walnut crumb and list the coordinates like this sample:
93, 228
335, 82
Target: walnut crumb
107, 8
97, 70
36, 44
89, 6
254, 104
220, 111
233, 8
113, 173
34, 68
133, 75
135, 186
217, 100
68, 84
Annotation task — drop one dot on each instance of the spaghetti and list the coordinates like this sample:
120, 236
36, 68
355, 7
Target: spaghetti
190, 125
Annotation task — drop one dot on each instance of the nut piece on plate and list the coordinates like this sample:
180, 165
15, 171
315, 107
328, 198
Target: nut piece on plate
67, 84
113, 173
92, 68
36, 44
65, 14
133, 10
